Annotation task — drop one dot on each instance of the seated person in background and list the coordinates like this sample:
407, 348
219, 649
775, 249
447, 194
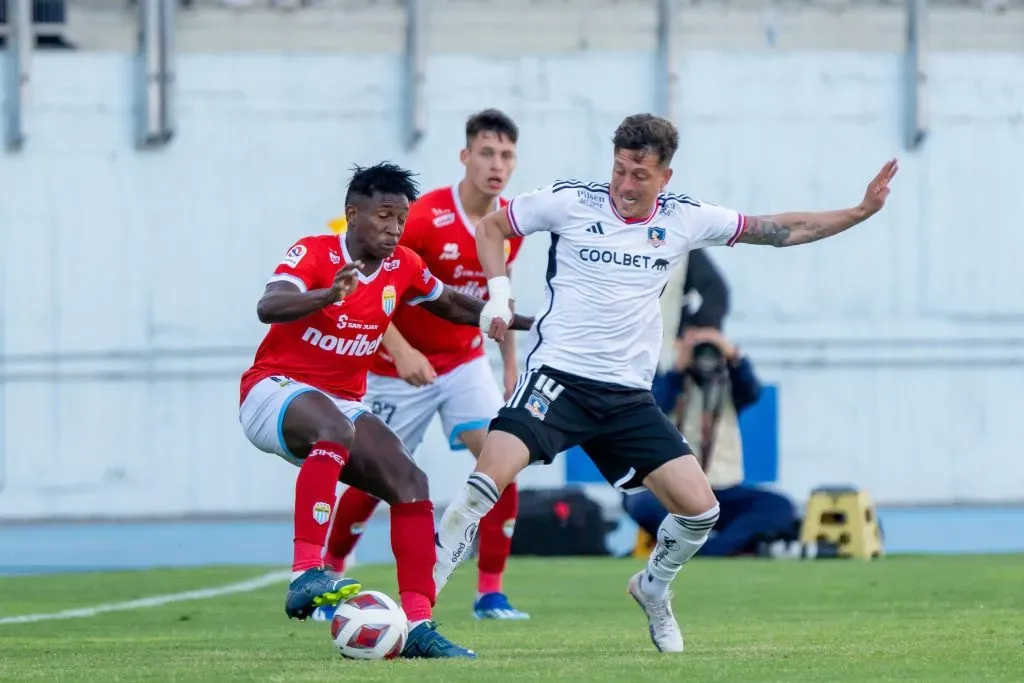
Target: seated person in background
710, 385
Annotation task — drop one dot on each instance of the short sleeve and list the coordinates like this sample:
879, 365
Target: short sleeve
423, 286
299, 265
537, 211
714, 226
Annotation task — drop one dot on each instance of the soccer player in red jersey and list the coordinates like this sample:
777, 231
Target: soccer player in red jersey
329, 302
430, 366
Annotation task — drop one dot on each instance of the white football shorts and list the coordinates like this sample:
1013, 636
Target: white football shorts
262, 413
466, 398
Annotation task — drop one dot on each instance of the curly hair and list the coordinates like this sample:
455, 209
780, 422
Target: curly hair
647, 133
382, 178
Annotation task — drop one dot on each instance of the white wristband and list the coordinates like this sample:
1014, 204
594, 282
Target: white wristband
499, 288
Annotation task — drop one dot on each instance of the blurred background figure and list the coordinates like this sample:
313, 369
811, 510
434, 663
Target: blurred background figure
709, 385
712, 383
705, 299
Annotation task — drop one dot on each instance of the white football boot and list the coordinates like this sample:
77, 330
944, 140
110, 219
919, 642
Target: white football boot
665, 633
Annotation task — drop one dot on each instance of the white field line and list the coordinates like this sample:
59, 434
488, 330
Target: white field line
263, 581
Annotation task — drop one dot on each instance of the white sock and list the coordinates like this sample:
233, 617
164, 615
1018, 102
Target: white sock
458, 526
679, 538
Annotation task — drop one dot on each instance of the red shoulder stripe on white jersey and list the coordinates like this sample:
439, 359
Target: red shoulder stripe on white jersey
512, 218
741, 227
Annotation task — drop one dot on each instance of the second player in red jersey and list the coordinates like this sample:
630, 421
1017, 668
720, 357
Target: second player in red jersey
441, 233
328, 304
430, 367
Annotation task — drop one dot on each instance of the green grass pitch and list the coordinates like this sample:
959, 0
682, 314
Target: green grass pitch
897, 619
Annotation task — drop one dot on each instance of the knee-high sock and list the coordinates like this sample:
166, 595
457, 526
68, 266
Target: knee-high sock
412, 541
679, 538
314, 501
460, 522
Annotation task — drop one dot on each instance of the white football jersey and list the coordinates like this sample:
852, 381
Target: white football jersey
601, 317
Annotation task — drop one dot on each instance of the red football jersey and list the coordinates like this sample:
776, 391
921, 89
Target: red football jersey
439, 230
332, 348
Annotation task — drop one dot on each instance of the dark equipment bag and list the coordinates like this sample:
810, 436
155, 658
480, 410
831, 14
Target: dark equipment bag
560, 522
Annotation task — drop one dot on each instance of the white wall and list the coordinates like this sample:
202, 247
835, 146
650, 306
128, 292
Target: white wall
129, 279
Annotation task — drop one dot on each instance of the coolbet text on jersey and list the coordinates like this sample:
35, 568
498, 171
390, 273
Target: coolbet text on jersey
332, 348
439, 230
610, 332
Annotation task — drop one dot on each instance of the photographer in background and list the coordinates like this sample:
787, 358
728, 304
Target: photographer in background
710, 383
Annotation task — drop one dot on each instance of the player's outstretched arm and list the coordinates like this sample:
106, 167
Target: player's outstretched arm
283, 302
465, 310
790, 229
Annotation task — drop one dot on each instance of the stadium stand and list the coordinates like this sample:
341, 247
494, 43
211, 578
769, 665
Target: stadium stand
483, 27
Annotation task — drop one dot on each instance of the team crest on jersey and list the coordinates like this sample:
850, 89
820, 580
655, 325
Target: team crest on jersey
294, 255
321, 512
508, 250
537, 406
388, 299
655, 236
335, 258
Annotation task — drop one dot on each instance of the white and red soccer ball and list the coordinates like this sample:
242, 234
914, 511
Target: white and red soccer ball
369, 625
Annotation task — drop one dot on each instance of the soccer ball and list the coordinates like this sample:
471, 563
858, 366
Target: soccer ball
369, 625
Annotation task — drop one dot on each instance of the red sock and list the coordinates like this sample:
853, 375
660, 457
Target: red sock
354, 508
412, 541
314, 500
496, 540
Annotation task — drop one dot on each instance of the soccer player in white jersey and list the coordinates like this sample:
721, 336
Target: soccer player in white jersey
593, 350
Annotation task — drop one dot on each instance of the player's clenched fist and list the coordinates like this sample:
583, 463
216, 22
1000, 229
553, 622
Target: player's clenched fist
496, 315
346, 280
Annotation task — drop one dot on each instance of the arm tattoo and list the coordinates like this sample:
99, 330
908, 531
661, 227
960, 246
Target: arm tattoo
765, 230
787, 230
